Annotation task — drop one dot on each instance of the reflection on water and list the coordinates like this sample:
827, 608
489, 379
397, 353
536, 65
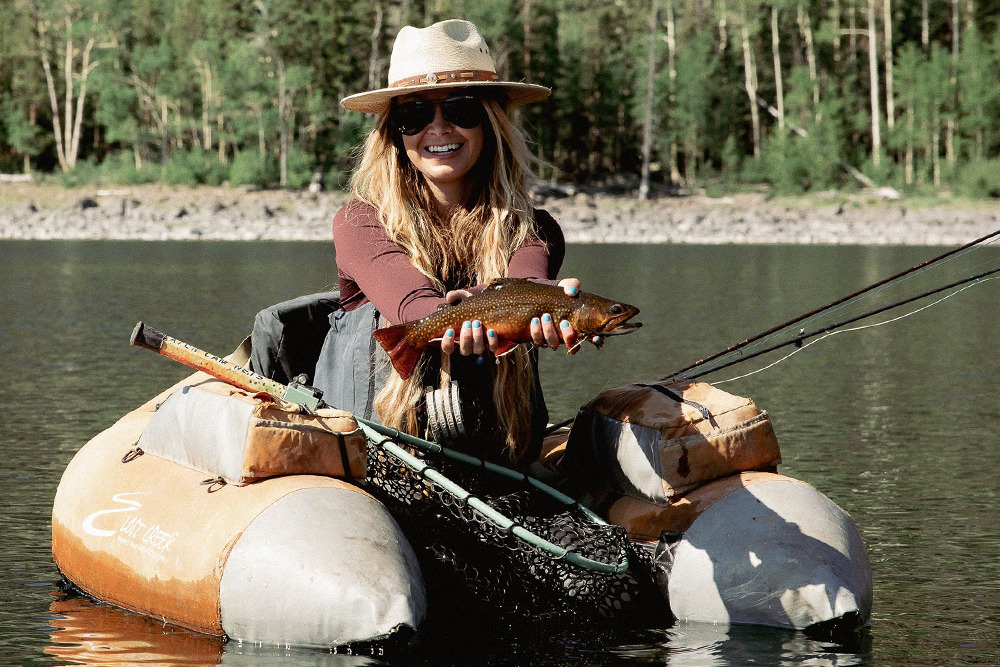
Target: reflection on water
896, 424
87, 633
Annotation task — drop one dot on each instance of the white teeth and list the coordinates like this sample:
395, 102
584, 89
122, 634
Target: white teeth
447, 148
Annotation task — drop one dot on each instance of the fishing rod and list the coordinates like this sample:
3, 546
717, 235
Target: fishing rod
148, 338
816, 311
798, 340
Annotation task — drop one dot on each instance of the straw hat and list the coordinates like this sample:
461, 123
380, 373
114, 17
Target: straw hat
448, 54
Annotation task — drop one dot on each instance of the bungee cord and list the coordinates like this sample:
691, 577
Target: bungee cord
725, 356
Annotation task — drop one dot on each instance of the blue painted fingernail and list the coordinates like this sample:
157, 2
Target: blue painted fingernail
491, 333
450, 333
546, 317
466, 325
572, 290
476, 324
534, 321
564, 324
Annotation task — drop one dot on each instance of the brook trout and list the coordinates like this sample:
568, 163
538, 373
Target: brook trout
507, 306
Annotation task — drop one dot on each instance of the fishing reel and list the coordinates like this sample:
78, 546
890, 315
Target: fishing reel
449, 418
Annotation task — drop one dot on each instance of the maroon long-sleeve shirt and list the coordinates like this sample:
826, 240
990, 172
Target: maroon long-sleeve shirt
371, 267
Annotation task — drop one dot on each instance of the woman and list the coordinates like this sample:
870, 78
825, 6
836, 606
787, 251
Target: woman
439, 209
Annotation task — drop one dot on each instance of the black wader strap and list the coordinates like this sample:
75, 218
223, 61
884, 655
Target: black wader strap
370, 403
345, 460
705, 413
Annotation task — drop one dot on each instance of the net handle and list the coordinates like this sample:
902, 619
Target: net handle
384, 437
461, 457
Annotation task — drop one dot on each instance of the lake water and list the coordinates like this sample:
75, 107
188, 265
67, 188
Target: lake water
899, 425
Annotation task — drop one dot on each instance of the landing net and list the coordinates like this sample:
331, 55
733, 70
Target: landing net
462, 549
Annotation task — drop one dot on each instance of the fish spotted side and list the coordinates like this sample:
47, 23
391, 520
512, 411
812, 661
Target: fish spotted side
507, 306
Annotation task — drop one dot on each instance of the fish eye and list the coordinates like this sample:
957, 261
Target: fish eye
617, 309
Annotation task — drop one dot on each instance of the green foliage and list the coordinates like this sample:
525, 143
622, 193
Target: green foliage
979, 178
15, 130
207, 75
87, 172
120, 169
249, 168
300, 168
195, 167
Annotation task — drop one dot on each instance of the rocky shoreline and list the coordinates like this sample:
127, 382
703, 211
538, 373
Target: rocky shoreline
155, 212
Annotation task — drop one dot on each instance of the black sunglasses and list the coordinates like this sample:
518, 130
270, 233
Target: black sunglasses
465, 111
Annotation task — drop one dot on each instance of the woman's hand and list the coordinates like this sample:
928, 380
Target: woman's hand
472, 338
545, 333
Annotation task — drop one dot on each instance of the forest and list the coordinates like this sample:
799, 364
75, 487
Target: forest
649, 96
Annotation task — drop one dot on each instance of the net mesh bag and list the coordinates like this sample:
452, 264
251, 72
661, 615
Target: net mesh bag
462, 550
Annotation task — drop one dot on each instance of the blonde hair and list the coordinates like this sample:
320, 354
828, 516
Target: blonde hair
472, 247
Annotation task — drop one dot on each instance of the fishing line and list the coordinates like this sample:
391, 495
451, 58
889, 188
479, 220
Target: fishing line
840, 331
834, 306
798, 340
846, 306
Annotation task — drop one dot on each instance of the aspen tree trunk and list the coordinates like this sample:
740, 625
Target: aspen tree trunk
164, 133
261, 143
873, 84
750, 83
53, 100
647, 125
675, 174
526, 17
980, 138
835, 17
68, 97
32, 121
949, 136
908, 160
925, 24
220, 122
776, 55
936, 147
852, 36
805, 27
67, 126
85, 69
282, 122
723, 27
374, 52
890, 107
206, 107
205, 75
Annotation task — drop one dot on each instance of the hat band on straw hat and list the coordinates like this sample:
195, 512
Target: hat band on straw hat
449, 53
448, 76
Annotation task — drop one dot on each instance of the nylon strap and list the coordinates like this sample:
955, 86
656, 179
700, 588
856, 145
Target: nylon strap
706, 414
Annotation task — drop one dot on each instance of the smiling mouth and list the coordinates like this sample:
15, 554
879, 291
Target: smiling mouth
446, 149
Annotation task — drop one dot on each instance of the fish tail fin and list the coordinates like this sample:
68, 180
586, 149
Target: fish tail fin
404, 357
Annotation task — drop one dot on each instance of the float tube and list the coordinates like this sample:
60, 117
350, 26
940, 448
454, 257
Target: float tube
690, 472
313, 560
756, 548
303, 560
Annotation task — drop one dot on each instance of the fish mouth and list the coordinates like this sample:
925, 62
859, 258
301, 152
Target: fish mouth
619, 329
619, 323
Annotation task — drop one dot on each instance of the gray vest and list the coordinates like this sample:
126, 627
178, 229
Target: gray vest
315, 336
